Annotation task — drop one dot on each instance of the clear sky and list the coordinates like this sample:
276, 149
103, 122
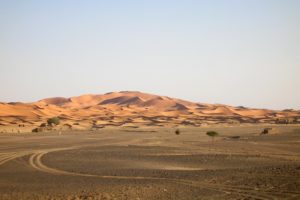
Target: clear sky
216, 51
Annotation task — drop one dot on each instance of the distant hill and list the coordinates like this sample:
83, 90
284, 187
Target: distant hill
129, 108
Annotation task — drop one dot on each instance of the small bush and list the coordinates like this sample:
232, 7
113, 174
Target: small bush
35, 130
212, 134
177, 132
266, 131
53, 121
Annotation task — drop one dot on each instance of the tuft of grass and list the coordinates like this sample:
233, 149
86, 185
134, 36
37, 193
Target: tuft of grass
177, 132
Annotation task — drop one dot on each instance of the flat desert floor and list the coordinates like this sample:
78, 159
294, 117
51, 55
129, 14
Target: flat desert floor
152, 163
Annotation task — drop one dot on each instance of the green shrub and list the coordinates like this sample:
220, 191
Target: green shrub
53, 121
212, 134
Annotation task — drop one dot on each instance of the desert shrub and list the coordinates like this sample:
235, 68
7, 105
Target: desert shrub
212, 134
177, 132
35, 130
53, 121
266, 131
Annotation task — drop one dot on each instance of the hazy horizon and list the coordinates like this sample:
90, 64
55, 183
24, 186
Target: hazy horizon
238, 53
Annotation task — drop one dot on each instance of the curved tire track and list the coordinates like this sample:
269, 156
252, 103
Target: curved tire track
35, 161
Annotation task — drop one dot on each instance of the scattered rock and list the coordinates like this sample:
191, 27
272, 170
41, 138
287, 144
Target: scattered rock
266, 131
67, 126
41, 129
234, 137
43, 125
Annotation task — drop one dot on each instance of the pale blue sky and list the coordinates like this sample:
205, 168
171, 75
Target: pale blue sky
232, 51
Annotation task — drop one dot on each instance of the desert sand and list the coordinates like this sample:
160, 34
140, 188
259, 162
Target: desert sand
122, 145
152, 163
132, 109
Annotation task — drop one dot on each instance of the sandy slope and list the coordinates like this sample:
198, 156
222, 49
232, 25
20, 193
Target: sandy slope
134, 109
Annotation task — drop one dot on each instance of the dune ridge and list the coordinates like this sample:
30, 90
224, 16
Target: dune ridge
128, 108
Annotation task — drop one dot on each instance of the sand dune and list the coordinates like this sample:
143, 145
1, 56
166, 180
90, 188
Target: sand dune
140, 109
56, 101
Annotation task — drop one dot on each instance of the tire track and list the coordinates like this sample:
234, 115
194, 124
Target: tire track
35, 161
9, 156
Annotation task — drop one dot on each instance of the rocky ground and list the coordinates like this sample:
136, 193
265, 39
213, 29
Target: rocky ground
152, 163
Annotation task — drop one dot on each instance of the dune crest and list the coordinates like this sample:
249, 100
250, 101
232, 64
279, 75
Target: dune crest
128, 108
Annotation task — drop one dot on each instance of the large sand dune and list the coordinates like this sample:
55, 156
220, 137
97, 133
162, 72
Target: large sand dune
135, 109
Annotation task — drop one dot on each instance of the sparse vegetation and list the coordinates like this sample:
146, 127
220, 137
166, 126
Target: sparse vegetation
177, 132
35, 130
53, 121
212, 134
266, 131
190, 152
